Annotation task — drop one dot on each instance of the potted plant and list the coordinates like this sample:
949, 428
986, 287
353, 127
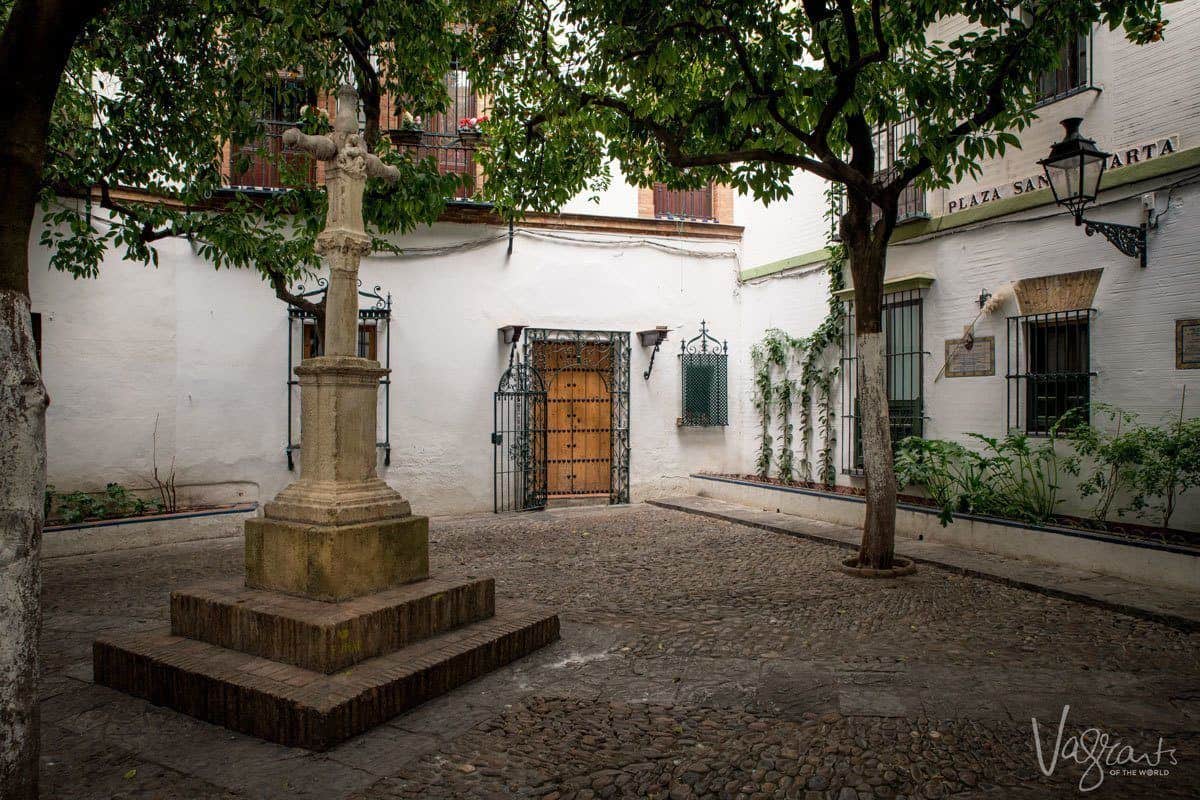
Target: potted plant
469, 132
410, 130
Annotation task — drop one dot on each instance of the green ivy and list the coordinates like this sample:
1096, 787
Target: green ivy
775, 353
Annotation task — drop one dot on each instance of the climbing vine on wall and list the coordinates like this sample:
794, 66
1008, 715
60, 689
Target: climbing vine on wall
774, 387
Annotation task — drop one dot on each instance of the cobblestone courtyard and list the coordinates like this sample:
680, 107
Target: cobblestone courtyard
698, 658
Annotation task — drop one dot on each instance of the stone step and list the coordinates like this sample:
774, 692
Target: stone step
328, 637
293, 706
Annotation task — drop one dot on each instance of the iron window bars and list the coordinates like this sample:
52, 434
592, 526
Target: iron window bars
439, 138
910, 205
904, 337
1049, 368
377, 313
1073, 74
704, 366
888, 142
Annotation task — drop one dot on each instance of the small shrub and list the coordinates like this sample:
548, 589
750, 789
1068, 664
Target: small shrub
1170, 466
114, 503
1011, 478
1113, 453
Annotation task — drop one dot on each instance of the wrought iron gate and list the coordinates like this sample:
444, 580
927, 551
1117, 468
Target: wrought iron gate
519, 440
555, 352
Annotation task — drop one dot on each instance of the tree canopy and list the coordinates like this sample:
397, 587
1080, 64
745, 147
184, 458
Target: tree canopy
746, 92
153, 89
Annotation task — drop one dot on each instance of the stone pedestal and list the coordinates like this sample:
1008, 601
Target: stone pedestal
339, 531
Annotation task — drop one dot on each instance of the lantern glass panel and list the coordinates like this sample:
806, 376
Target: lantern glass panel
1064, 178
1093, 170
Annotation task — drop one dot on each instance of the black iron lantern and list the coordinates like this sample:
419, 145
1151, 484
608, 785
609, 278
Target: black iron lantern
1074, 169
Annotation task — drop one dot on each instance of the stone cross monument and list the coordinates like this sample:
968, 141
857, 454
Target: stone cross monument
337, 626
339, 531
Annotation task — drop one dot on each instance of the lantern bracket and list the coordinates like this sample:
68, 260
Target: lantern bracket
1129, 239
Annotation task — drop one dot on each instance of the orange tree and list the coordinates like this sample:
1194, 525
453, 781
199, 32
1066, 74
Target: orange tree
747, 92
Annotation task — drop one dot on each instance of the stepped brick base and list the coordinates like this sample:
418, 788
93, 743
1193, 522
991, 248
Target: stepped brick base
294, 706
327, 637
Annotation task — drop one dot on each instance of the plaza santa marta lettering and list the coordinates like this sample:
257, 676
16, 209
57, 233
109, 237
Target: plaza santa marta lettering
1125, 156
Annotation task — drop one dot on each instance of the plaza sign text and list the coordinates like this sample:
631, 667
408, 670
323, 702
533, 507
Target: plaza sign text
1121, 158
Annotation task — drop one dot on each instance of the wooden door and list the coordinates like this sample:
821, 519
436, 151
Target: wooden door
578, 418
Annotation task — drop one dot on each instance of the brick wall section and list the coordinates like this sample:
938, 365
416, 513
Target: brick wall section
645, 202
723, 204
327, 637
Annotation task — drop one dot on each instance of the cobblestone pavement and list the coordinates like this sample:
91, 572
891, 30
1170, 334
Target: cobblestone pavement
698, 659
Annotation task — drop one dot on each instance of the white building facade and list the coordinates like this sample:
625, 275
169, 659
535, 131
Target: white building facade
205, 357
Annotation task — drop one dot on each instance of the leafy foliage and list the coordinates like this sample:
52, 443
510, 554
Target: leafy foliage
1113, 453
116, 502
814, 385
154, 92
1013, 477
1149, 466
745, 92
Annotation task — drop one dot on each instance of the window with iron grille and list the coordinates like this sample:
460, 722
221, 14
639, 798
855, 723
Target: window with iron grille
261, 162
368, 337
704, 365
688, 204
903, 354
889, 140
1049, 368
1072, 73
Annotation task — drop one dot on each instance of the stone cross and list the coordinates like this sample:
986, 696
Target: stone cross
344, 240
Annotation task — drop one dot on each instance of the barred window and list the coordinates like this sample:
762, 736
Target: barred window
1049, 368
1071, 73
368, 341
704, 366
904, 349
888, 141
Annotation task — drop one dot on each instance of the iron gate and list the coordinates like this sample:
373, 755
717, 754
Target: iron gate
519, 441
613, 349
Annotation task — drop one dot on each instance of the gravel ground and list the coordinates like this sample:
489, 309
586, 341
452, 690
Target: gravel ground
698, 659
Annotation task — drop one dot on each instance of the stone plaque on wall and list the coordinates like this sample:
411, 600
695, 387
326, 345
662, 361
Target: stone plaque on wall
1187, 344
975, 361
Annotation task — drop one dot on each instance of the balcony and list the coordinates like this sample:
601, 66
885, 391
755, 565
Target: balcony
256, 166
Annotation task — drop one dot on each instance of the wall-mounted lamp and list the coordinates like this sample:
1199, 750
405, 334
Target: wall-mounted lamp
512, 335
652, 338
984, 296
1074, 169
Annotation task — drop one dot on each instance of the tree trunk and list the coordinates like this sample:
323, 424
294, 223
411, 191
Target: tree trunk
22, 488
867, 251
34, 47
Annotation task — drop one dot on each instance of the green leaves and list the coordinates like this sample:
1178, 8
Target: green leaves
155, 91
743, 92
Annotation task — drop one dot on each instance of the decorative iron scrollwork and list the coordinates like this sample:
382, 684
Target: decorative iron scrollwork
1129, 239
